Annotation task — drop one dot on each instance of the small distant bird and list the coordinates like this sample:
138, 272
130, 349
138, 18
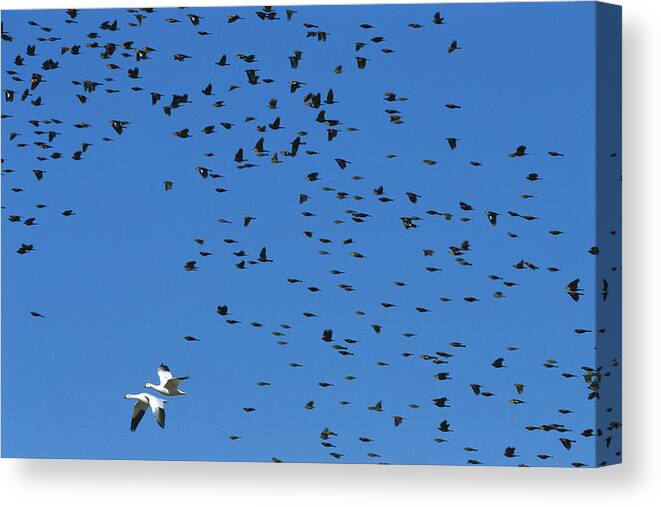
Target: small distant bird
566, 443
119, 125
454, 46
498, 363
182, 134
519, 152
437, 19
441, 402
574, 291
492, 216
412, 197
263, 257
377, 407
342, 163
444, 426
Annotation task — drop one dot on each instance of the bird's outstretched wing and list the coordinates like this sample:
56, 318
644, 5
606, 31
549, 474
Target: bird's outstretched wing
157, 406
138, 412
173, 382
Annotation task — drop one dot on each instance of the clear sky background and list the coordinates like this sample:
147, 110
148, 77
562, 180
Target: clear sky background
117, 301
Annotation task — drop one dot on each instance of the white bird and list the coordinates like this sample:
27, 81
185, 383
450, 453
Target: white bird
169, 385
144, 400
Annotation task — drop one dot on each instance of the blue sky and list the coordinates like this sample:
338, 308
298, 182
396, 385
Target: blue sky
117, 301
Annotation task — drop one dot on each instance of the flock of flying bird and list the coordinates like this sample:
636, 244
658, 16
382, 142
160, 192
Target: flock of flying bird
23, 88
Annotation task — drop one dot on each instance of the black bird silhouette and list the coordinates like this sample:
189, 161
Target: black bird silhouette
437, 19
519, 152
263, 257
574, 291
498, 363
454, 46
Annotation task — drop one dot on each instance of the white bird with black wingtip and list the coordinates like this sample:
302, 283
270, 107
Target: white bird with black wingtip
168, 384
144, 401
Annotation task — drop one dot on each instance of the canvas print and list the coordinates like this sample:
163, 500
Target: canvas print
383, 234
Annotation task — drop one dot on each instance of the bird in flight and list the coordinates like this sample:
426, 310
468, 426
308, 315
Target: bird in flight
144, 401
168, 385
